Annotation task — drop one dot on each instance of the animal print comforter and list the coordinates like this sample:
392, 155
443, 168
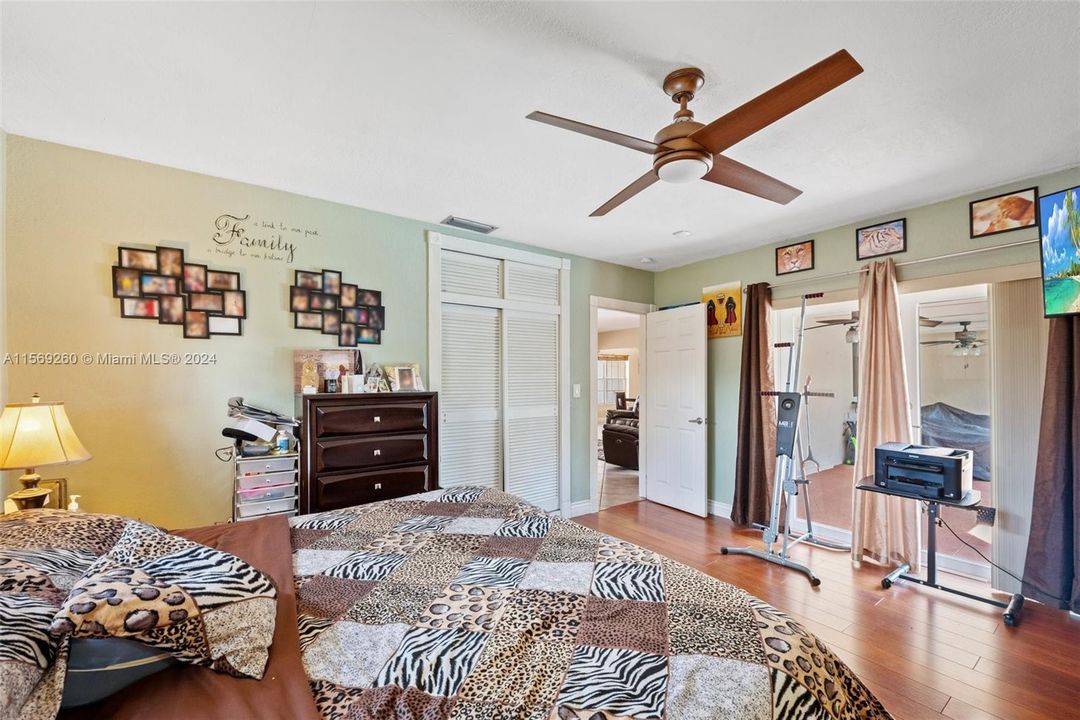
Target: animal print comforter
469, 604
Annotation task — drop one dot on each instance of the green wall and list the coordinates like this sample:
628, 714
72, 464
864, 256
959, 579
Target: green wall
152, 429
933, 230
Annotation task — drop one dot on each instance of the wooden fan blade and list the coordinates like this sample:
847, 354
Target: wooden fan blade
784, 99
938, 342
626, 193
645, 146
927, 322
733, 174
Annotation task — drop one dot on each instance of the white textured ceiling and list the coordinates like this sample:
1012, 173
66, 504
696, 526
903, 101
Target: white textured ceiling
608, 320
419, 109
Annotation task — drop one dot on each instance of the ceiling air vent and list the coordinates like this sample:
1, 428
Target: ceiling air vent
470, 225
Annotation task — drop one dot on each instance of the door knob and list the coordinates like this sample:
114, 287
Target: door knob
698, 421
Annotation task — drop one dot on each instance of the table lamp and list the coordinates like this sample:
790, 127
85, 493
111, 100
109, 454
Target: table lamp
32, 435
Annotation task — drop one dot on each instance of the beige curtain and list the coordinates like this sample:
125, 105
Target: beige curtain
885, 529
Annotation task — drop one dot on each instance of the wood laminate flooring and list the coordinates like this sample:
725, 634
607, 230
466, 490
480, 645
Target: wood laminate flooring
924, 653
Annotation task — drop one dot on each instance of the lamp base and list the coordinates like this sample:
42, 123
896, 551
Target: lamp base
30, 498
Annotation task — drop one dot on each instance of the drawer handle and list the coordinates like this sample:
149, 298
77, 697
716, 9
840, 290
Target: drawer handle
378, 452
378, 418
378, 486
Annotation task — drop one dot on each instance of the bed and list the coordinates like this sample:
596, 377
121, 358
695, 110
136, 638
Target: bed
469, 604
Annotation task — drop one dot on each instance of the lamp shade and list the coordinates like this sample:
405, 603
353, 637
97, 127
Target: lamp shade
37, 434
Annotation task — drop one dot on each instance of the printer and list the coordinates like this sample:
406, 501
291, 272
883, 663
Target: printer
935, 473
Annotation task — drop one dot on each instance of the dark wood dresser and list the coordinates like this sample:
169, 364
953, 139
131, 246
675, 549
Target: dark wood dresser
359, 448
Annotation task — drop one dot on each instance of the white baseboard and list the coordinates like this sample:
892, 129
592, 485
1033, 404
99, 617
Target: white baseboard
721, 509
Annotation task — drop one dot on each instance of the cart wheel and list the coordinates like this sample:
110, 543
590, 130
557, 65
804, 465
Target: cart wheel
723, 551
1010, 619
815, 581
886, 583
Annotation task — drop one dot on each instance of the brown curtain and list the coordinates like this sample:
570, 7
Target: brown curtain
756, 455
884, 529
1052, 568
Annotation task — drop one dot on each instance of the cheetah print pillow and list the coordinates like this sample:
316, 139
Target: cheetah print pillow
202, 605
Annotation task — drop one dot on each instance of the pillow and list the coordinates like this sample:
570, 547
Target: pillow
97, 668
43, 553
201, 605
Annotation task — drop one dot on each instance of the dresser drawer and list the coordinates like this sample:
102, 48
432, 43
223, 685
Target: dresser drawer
268, 507
361, 419
344, 490
365, 452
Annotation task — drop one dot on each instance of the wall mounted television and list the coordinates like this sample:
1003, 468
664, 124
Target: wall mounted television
1059, 233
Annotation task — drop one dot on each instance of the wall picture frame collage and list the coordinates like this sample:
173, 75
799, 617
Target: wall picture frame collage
321, 301
159, 284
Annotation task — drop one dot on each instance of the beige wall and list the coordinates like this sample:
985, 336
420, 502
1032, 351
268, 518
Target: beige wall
933, 230
623, 342
153, 429
962, 382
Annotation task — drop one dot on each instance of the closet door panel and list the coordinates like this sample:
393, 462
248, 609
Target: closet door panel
532, 408
470, 399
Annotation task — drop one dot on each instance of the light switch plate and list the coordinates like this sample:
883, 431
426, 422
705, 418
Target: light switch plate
577, 390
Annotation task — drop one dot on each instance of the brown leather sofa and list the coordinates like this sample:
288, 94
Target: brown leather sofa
620, 438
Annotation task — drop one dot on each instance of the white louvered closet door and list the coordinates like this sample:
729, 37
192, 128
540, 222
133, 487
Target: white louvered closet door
532, 384
499, 380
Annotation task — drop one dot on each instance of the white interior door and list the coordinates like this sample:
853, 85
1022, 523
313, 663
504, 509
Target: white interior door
675, 418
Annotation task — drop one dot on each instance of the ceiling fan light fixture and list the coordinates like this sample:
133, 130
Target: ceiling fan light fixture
683, 169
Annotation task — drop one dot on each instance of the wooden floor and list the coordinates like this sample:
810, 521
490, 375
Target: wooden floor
925, 654
619, 485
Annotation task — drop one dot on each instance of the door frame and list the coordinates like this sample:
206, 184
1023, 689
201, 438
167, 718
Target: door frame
641, 309
437, 242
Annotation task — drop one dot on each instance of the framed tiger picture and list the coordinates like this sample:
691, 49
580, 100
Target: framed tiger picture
887, 238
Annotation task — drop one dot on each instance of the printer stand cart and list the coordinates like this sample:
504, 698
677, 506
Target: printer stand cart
970, 501
264, 485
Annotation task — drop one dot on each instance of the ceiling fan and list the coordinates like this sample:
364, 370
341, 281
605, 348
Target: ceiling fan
854, 320
964, 340
687, 150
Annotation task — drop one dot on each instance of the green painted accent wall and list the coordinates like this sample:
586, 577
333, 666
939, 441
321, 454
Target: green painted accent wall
932, 230
152, 429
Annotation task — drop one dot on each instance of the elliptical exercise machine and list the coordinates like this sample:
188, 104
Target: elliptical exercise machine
789, 474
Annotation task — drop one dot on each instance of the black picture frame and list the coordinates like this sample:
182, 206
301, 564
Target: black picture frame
296, 294
119, 271
200, 270
1049, 240
349, 294
1035, 212
124, 312
368, 336
343, 331
162, 268
377, 317
371, 298
228, 320
331, 322
234, 280
225, 303
189, 316
903, 230
311, 317
174, 285
308, 280
776, 258
162, 300
331, 282
126, 261
195, 302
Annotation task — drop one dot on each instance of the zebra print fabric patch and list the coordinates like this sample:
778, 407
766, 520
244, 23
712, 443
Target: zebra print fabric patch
618, 681
500, 572
424, 524
462, 495
212, 577
365, 566
531, 526
622, 581
435, 661
24, 637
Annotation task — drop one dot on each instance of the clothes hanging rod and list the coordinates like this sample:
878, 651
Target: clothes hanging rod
946, 256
